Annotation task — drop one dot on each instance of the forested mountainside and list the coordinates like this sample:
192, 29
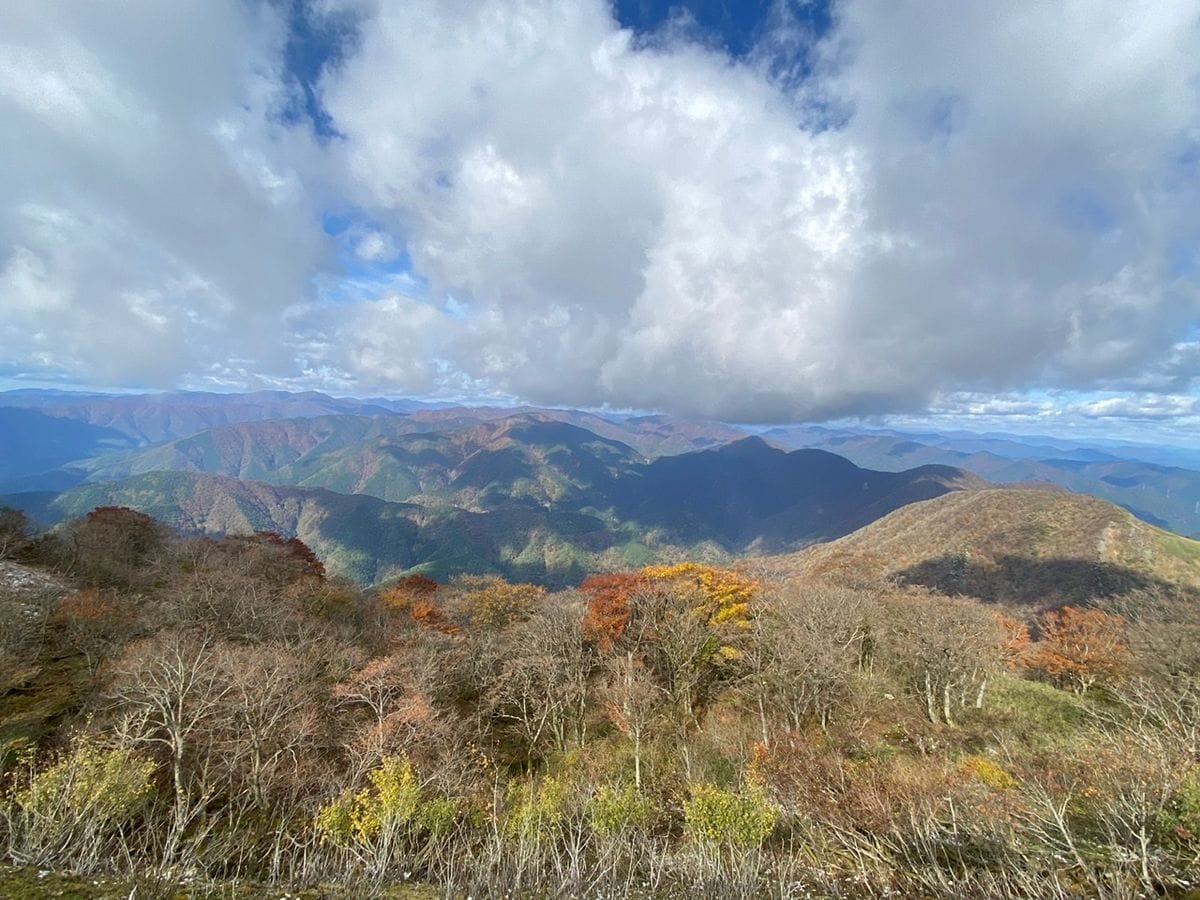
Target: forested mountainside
527, 498
53, 441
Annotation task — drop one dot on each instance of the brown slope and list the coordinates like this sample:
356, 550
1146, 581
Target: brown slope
1029, 546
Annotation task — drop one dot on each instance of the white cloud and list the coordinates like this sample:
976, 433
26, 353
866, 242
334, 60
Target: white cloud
153, 218
1154, 406
961, 200
653, 228
376, 247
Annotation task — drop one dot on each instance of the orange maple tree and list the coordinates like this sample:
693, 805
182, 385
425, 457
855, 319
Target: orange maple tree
1014, 642
1080, 647
608, 606
415, 595
725, 595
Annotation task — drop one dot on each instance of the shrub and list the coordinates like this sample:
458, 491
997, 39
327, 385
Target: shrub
386, 819
619, 811
537, 815
1180, 821
72, 806
736, 819
984, 770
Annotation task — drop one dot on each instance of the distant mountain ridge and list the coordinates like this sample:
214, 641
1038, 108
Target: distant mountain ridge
208, 427
33, 442
152, 418
754, 495
1167, 496
548, 502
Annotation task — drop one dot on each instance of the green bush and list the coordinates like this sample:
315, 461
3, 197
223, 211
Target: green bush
388, 815
738, 819
538, 812
1180, 821
615, 812
71, 806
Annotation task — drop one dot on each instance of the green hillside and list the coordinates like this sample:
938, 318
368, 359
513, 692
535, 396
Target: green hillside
539, 500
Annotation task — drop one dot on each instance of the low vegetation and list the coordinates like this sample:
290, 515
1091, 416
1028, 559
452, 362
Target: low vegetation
220, 713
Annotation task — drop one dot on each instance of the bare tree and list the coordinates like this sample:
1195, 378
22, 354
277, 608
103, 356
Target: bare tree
14, 531
269, 717
949, 646
166, 690
634, 703
541, 689
377, 686
808, 643
670, 633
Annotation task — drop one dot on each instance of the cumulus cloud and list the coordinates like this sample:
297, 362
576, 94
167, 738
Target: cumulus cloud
1128, 415
943, 200
1154, 406
661, 227
155, 218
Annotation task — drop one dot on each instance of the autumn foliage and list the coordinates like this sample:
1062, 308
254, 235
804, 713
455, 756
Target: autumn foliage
726, 593
492, 602
1080, 647
415, 596
1015, 642
92, 623
679, 725
607, 613
725, 596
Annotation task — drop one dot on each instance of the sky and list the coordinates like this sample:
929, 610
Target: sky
981, 215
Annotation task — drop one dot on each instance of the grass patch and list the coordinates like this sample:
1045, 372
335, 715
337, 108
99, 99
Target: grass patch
1037, 715
1179, 547
26, 883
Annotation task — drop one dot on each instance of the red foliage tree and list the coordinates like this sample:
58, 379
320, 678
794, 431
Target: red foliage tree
1081, 647
92, 624
608, 611
295, 550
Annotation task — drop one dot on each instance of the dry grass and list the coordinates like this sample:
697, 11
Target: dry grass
1006, 544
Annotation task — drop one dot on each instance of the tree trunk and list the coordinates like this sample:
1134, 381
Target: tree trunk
637, 758
762, 721
946, 706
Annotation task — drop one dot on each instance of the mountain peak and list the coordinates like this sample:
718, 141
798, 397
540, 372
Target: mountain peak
751, 445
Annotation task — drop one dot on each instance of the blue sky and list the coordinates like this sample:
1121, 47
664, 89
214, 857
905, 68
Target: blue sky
775, 211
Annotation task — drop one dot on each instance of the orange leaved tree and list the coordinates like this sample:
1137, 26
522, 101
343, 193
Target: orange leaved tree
1080, 647
608, 609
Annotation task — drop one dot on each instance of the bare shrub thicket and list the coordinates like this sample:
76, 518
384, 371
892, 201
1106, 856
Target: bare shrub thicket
233, 714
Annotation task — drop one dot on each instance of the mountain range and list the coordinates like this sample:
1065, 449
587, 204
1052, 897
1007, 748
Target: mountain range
1163, 495
380, 487
523, 496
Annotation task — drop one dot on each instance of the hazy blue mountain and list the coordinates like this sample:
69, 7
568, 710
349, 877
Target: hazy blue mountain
151, 418
32, 442
1162, 495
